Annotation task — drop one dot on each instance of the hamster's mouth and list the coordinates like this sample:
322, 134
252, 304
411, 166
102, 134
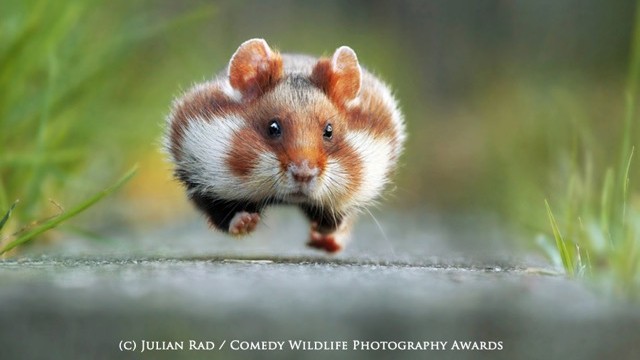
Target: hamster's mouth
297, 196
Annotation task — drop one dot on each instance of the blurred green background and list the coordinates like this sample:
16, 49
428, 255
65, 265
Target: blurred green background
507, 103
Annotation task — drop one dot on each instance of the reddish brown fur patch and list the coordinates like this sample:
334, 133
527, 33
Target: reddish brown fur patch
373, 116
313, 154
255, 69
201, 102
245, 149
321, 75
351, 162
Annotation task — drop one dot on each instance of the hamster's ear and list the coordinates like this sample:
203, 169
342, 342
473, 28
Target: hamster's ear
254, 68
340, 76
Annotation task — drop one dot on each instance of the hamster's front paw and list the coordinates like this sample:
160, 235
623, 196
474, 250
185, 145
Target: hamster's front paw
243, 223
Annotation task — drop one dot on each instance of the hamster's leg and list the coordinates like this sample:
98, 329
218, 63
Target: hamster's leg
231, 216
329, 232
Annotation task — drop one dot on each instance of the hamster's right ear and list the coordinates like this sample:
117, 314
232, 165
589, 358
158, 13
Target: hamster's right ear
254, 68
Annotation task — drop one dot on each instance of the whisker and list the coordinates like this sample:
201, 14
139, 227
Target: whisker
384, 235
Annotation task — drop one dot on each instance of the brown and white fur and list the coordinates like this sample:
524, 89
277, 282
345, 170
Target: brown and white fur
323, 134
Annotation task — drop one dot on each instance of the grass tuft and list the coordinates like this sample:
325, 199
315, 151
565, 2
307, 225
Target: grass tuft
74, 79
605, 244
30, 233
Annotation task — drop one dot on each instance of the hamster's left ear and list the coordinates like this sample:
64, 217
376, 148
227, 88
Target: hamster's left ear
340, 76
254, 68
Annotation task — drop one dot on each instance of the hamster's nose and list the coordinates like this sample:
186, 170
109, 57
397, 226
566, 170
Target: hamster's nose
302, 176
302, 172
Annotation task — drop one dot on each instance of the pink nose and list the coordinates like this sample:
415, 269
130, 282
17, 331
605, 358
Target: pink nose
302, 173
302, 176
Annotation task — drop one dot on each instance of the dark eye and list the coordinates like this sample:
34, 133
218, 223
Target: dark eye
328, 131
274, 128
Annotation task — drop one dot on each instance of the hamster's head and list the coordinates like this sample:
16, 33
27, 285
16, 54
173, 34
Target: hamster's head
274, 134
293, 146
295, 134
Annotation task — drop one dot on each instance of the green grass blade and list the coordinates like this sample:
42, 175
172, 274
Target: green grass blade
50, 224
625, 186
3, 194
605, 201
560, 242
6, 216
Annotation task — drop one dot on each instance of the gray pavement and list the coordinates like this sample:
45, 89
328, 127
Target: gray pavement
423, 278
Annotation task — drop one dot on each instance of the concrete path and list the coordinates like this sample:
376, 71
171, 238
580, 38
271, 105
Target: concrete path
418, 286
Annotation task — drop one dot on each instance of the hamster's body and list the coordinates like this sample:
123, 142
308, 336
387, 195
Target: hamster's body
322, 134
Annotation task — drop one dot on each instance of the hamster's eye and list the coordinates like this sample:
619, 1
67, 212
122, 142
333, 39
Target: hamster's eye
328, 132
274, 128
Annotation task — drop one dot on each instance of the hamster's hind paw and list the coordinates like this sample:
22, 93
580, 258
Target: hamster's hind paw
243, 223
326, 242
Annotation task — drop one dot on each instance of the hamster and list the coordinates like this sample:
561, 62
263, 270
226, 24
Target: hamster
322, 134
